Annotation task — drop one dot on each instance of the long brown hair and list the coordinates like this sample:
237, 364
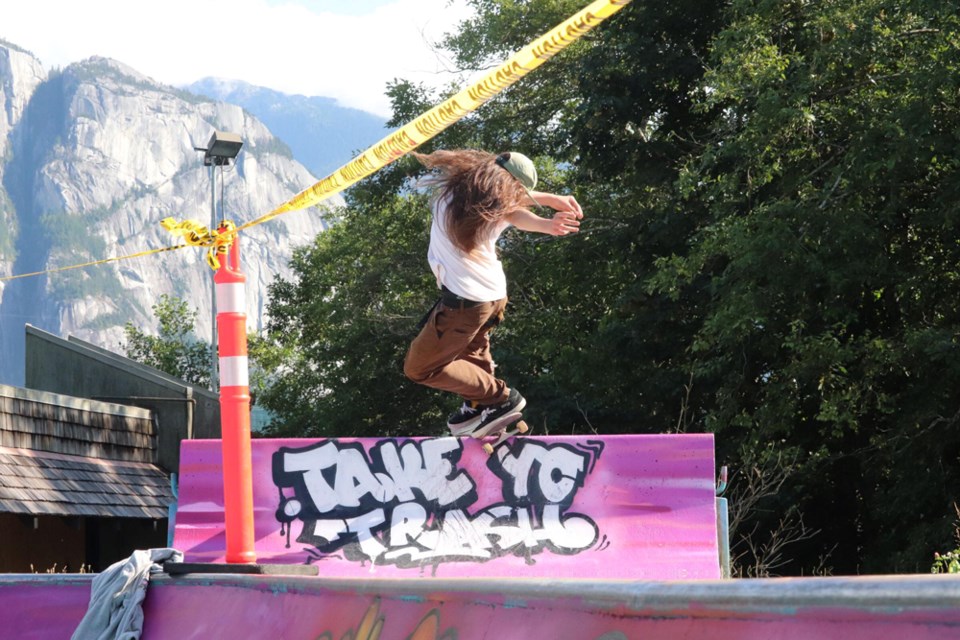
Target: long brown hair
478, 192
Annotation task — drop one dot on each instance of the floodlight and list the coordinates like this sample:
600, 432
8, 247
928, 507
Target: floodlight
223, 146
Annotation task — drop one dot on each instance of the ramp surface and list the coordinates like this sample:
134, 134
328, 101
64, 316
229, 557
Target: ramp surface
917, 607
607, 507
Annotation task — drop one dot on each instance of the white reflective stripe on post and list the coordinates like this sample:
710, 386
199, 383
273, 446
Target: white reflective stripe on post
231, 298
233, 371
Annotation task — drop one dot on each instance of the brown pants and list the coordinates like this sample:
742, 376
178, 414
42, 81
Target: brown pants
452, 352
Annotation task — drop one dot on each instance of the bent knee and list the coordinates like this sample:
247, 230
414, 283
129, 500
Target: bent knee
414, 372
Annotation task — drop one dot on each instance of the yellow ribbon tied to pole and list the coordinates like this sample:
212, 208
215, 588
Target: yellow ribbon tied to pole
197, 235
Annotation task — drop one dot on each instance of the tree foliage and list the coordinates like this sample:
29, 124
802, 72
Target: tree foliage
175, 349
769, 254
829, 240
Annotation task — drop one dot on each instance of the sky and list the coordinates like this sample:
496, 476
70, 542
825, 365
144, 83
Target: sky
343, 49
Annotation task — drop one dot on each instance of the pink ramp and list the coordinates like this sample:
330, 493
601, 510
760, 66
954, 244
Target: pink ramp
602, 507
204, 606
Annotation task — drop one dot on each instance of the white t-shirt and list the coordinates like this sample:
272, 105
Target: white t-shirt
475, 276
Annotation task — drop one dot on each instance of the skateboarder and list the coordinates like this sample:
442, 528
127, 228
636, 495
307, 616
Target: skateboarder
476, 196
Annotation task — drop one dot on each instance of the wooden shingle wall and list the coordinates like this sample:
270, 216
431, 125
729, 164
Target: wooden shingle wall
42, 483
55, 423
67, 456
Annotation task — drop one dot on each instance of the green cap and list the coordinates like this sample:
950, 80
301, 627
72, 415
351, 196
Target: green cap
520, 167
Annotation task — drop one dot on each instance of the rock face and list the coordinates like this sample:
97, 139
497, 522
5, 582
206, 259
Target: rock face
20, 73
94, 156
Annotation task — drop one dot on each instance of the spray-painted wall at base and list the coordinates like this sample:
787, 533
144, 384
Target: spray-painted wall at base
621, 506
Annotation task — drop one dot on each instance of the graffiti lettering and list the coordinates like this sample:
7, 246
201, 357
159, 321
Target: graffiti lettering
407, 503
338, 479
542, 474
493, 532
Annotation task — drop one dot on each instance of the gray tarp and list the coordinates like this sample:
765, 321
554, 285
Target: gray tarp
116, 596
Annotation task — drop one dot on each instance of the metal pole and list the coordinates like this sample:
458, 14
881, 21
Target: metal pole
723, 525
723, 537
213, 285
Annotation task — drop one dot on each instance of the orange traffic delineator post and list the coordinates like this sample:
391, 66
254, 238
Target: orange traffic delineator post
235, 408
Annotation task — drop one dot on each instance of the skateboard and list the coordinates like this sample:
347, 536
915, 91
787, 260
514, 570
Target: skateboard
502, 431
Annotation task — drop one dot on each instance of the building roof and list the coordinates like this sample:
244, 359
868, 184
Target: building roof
61, 455
42, 483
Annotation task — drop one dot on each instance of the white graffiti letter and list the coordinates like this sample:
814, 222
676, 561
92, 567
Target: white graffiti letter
559, 471
354, 480
407, 524
438, 469
404, 466
312, 463
556, 472
362, 525
519, 468
572, 534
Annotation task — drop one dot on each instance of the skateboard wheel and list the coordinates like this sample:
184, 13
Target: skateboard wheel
522, 427
488, 448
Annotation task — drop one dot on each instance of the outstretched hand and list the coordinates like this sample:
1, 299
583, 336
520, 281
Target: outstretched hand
565, 203
567, 218
565, 222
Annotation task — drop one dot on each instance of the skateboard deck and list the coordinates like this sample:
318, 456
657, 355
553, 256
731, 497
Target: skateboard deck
505, 428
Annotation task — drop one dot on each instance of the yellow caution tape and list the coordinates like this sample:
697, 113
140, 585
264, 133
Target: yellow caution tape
192, 231
197, 235
129, 256
223, 238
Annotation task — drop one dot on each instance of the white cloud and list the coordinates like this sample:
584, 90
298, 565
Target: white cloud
282, 45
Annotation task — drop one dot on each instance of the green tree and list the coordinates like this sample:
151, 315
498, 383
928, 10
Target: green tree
828, 241
175, 349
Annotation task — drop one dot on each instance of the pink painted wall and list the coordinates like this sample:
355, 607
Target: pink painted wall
923, 607
906, 608
623, 507
42, 606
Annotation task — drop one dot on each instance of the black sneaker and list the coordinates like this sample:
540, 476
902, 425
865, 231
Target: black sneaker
494, 416
465, 419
